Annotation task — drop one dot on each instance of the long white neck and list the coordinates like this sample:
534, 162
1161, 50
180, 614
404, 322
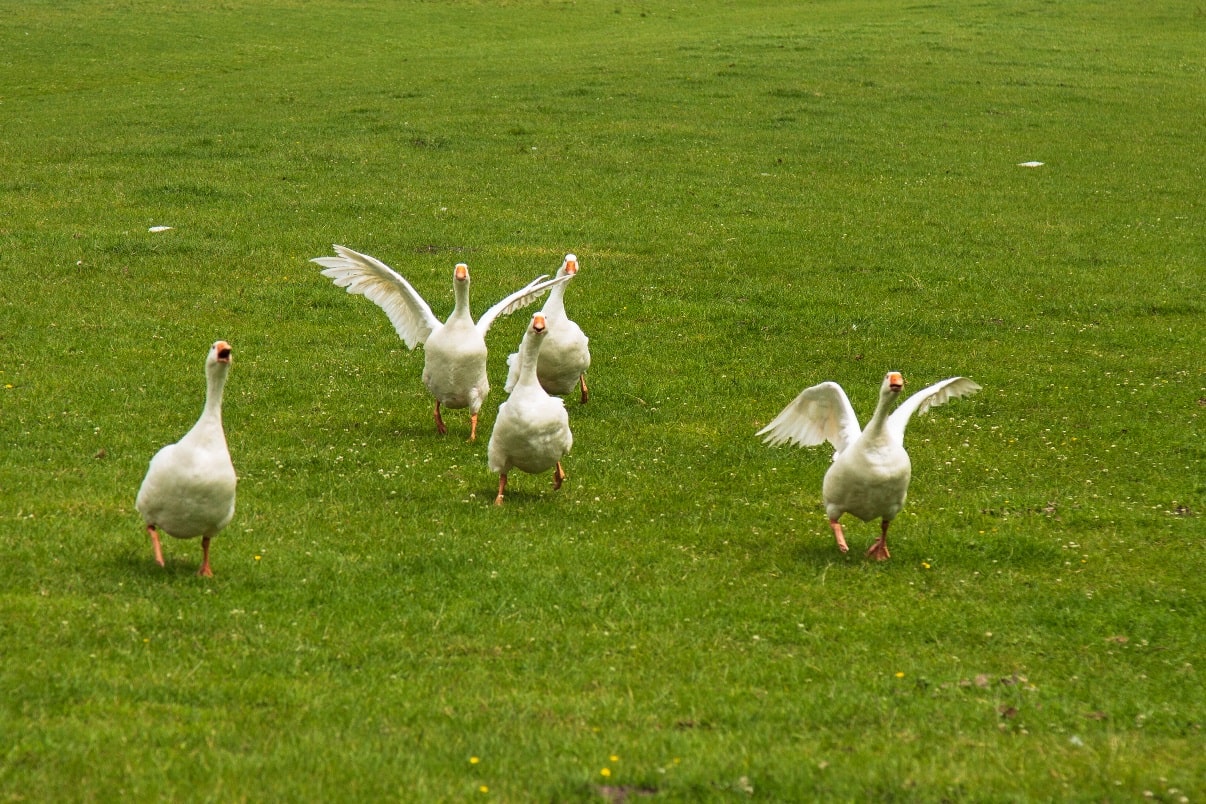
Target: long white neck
554, 305
215, 378
460, 311
876, 428
529, 356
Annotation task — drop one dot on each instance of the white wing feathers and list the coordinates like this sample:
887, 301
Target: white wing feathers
926, 398
820, 413
382, 285
519, 299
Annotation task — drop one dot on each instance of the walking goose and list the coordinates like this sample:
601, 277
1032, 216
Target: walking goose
189, 488
532, 429
870, 473
454, 362
565, 356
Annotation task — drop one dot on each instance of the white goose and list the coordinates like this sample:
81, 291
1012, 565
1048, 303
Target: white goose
565, 356
532, 429
189, 489
870, 473
454, 363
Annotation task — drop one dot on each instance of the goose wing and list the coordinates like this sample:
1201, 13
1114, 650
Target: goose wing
820, 413
926, 398
519, 299
361, 274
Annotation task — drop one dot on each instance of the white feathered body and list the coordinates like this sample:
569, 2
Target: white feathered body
869, 480
531, 433
565, 356
454, 365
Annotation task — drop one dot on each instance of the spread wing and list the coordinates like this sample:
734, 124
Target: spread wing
518, 300
359, 273
927, 398
820, 413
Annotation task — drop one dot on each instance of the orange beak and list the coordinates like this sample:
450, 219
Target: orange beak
896, 381
571, 264
462, 272
538, 324
223, 350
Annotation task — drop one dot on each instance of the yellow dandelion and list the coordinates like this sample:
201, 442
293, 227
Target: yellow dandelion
484, 789
900, 675
257, 558
474, 760
605, 772
614, 758
924, 564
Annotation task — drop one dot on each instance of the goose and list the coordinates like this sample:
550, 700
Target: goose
565, 356
454, 362
532, 429
189, 489
870, 473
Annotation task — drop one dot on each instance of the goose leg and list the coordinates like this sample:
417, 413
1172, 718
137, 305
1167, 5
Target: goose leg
582, 385
473, 427
440, 428
879, 550
502, 485
205, 571
155, 544
838, 536
558, 476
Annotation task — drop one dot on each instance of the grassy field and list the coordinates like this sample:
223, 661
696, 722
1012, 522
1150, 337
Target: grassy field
763, 196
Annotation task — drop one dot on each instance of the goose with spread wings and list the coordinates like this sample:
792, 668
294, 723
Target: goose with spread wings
870, 473
454, 363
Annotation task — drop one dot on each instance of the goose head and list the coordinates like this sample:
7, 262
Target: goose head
571, 265
539, 326
219, 354
894, 382
461, 274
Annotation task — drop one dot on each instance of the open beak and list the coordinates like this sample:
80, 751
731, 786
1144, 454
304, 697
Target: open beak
538, 324
896, 381
223, 350
571, 264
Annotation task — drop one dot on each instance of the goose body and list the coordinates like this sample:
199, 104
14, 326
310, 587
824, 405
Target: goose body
565, 355
454, 364
870, 473
532, 430
189, 488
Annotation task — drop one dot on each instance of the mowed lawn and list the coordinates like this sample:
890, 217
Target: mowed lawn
762, 196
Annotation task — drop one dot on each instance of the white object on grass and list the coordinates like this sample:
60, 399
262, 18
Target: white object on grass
454, 362
565, 355
532, 430
870, 473
189, 488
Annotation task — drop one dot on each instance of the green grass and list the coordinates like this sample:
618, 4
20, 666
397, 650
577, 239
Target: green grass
763, 196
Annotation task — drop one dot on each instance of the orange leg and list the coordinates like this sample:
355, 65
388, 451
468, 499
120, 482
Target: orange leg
473, 427
502, 485
155, 544
879, 550
582, 385
558, 476
838, 536
440, 428
205, 571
